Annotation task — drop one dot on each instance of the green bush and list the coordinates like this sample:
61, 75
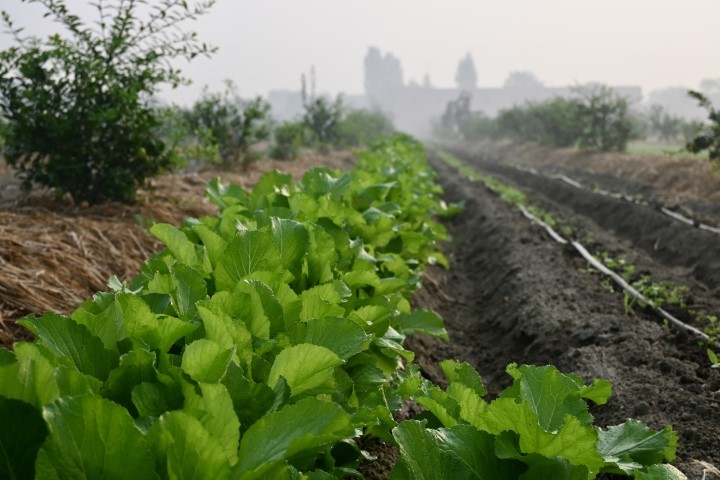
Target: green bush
363, 127
231, 124
289, 138
322, 119
709, 137
553, 122
80, 121
604, 116
188, 147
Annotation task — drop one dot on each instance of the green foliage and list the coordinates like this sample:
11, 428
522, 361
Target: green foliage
709, 138
77, 103
289, 139
322, 119
539, 427
233, 126
255, 342
554, 122
187, 147
262, 341
604, 117
595, 118
363, 127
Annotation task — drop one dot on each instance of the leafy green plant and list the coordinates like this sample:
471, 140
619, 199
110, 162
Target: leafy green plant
709, 138
77, 103
289, 137
539, 427
603, 113
363, 127
233, 125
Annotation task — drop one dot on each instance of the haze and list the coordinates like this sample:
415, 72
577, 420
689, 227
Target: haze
267, 44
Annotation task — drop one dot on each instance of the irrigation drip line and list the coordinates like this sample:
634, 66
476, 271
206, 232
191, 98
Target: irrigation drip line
670, 213
614, 276
621, 282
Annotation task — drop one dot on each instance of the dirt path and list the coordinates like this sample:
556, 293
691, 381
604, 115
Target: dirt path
514, 296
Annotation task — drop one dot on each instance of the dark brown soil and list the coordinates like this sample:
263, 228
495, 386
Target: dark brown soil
512, 295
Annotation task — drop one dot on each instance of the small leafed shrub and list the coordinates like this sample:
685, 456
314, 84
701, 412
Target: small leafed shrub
363, 127
228, 122
290, 137
709, 137
77, 104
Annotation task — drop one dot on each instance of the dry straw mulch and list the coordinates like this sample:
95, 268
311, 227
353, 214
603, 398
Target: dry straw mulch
54, 255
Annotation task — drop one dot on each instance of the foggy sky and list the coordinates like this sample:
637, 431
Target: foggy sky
267, 44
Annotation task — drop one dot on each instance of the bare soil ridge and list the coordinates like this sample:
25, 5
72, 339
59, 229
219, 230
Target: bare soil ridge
514, 296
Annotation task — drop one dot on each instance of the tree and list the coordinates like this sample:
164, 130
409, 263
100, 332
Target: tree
233, 125
709, 138
322, 116
522, 79
77, 105
466, 76
604, 116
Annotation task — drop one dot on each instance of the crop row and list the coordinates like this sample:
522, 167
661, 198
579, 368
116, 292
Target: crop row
265, 341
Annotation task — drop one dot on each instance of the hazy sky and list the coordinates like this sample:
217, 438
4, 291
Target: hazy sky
267, 44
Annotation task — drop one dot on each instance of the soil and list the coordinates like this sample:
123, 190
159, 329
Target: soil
512, 295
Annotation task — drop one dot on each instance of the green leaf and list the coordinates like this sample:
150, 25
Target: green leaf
206, 361
456, 453
250, 251
178, 244
660, 472
23, 432
184, 449
6, 357
222, 423
189, 287
573, 441
291, 241
136, 367
304, 367
322, 256
463, 373
72, 341
31, 379
632, 445
421, 321
551, 394
91, 438
341, 335
555, 469
154, 399
114, 317
295, 429
171, 330
214, 243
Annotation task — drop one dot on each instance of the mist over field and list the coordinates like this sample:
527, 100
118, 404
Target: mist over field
266, 45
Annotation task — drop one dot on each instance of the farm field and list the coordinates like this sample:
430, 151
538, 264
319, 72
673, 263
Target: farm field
510, 295
515, 295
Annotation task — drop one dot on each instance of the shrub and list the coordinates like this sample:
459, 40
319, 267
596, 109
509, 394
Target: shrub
709, 137
605, 120
553, 122
289, 138
362, 127
231, 124
322, 119
77, 104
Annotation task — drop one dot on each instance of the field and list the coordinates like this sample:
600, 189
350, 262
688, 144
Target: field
511, 294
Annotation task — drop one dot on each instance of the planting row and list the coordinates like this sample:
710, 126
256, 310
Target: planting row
265, 341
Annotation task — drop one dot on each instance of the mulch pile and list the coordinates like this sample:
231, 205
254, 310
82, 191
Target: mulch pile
55, 255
